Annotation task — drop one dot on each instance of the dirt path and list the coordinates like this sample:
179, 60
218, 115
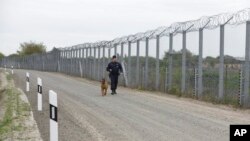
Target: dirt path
131, 115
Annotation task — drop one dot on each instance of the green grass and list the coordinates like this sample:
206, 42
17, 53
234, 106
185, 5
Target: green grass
5, 124
15, 109
8, 77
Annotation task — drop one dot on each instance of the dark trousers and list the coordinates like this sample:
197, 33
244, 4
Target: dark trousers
114, 81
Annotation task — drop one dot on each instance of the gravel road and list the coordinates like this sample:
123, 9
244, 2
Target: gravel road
130, 115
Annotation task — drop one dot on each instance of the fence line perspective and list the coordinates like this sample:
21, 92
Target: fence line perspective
224, 78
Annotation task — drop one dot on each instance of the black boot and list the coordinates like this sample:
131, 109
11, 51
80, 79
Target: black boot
113, 92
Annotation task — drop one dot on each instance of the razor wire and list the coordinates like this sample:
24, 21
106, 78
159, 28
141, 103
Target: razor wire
205, 22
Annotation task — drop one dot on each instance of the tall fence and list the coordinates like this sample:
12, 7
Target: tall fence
169, 59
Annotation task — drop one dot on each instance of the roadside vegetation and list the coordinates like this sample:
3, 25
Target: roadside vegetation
15, 111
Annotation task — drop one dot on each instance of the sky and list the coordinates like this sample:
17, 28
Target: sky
64, 23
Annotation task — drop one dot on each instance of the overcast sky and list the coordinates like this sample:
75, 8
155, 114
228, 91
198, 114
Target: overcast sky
61, 23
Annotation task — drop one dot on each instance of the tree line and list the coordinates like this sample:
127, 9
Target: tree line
27, 48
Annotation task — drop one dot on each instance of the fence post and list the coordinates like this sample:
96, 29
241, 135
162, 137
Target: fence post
89, 63
129, 62
146, 63
121, 56
95, 68
109, 53
142, 77
80, 67
78, 62
59, 60
170, 65
82, 61
137, 62
44, 60
66, 61
247, 67
221, 67
79, 71
39, 94
79, 53
115, 49
98, 62
71, 60
75, 62
123, 79
183, 70
62, 61
157, 72
85, 61
200, 75
53, 116
103, 62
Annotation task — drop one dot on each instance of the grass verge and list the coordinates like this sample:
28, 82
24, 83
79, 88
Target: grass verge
15, 111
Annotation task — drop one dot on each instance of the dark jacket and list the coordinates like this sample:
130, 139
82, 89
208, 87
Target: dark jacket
115, 68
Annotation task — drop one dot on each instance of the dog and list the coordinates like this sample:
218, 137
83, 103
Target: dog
104, 87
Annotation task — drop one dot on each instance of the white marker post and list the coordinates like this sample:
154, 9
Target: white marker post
39, 94
27, 82
53, 116
12, 71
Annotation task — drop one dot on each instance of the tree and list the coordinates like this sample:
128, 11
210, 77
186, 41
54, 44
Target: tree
28, 48
211, 61
13, 55
191, 59
231, 60
1, 56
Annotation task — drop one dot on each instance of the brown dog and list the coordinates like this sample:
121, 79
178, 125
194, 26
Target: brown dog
104, 87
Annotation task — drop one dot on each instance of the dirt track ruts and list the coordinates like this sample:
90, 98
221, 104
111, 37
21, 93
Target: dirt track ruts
130, 115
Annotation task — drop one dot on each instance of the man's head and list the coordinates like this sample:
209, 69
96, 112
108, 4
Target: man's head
114, 58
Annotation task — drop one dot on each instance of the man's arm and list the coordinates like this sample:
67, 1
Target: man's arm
108, 68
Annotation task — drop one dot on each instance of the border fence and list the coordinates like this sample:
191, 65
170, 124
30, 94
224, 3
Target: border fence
179, 72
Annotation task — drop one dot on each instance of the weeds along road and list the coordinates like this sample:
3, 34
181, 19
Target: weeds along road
130, 115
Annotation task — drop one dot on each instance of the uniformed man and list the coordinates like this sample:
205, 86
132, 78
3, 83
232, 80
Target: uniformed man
114, 68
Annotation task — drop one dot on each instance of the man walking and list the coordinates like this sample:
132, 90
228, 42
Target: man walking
114, 68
